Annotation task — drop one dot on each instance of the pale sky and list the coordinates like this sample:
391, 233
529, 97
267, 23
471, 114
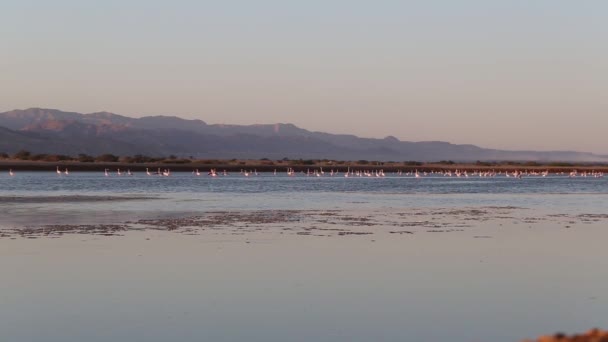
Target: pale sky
503, 74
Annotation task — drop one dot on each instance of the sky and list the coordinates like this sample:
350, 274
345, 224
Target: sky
499, 74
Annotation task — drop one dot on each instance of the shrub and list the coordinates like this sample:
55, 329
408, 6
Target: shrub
56, 157
412, 163
38, 157
107, 158
85, 158
22, 155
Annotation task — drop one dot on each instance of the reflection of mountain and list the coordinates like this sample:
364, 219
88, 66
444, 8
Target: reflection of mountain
54, 131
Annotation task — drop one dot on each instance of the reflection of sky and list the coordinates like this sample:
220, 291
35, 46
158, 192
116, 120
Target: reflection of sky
121, 211
423, 287
506, 74
184, 193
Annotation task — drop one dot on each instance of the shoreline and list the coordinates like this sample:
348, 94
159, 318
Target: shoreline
282, 166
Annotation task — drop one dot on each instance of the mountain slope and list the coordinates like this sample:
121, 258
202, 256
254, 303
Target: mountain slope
54, 131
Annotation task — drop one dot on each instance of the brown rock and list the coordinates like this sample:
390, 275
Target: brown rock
594, 335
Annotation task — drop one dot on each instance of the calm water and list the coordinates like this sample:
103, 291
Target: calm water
281, 192
522, 281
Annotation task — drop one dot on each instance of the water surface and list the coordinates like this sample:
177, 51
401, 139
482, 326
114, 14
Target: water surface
477, 259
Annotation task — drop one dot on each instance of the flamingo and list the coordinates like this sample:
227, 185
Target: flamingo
58, 171
10, 172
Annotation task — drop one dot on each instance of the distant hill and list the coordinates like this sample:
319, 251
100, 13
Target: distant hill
54, 131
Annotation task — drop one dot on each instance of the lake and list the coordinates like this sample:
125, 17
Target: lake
85, 257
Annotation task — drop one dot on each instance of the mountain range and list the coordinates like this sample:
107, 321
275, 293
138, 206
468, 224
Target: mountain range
57, 132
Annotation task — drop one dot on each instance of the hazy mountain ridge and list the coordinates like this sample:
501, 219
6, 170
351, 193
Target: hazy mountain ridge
54, 131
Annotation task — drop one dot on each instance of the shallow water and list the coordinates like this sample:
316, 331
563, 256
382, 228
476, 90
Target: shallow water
437, 258
184, 192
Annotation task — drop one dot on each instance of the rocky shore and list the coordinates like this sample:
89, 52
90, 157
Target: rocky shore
594, 335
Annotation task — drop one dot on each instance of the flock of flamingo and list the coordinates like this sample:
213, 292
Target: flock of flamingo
360, 173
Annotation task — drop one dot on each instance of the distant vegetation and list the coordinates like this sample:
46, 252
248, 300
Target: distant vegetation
25, 155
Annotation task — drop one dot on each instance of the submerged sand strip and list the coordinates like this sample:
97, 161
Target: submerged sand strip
328, 223
70, 199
